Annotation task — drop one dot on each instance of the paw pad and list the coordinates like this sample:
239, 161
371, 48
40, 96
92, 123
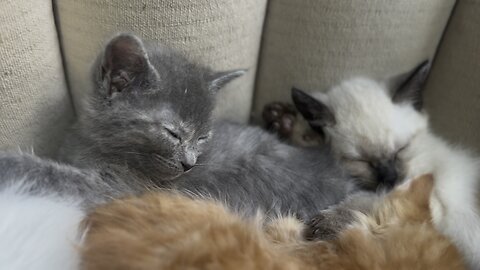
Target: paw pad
280, 118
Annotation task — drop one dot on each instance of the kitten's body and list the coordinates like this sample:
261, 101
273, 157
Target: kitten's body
38, 228
165, 231
374, 125
156, 126
250, 170
147, 122
454, 202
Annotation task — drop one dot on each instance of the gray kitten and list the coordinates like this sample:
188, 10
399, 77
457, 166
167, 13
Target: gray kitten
150, 118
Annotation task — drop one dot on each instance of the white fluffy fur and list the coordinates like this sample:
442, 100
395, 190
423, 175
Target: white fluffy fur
38, 232
368, 121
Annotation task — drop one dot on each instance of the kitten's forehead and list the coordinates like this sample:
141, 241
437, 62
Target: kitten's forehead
173, 118
367, 121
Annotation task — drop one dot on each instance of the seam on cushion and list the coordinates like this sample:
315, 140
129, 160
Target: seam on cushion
252, 119
442, 37
62, 55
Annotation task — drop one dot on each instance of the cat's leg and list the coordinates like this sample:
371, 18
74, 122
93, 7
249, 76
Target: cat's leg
329, 222
34, 175
280, 118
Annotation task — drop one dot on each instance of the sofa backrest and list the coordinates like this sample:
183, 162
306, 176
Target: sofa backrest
308, 43
35, 106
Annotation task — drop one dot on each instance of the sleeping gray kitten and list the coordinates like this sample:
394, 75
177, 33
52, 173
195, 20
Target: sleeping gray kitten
148, 125
149, 118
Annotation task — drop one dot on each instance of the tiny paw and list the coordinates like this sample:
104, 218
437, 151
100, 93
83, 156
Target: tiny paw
280, 118
327, 224
320, 227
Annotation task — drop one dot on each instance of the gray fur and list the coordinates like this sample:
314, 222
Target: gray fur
243, 166
136, 127
249, 168
36, 176
149, 124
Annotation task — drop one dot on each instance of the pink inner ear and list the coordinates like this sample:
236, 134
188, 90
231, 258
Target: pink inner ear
124, 59
126, 54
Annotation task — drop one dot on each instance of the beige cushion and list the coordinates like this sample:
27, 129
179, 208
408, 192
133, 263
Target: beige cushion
453, 89
314, 44
222, 34
35, 106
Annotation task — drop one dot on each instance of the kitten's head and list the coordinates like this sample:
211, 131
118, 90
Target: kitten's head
368, 124
152, 108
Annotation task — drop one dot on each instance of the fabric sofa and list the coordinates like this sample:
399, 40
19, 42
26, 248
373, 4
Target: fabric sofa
46, 49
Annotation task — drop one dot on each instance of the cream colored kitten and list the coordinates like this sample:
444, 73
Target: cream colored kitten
382, 137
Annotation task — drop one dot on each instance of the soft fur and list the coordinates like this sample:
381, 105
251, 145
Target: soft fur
149, 124
38, 231
382, 137
166, 231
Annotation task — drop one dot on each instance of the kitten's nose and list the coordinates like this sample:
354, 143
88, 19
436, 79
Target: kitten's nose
387, 173
186, 167
188, 161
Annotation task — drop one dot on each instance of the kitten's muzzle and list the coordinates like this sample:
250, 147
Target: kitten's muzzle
386, 172
186, 166
189, 160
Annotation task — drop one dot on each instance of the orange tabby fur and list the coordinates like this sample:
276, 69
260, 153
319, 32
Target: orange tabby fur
166, 231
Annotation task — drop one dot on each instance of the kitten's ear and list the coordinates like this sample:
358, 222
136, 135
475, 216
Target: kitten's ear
314, 111
419, 189
124, 60
220, 79
408, 87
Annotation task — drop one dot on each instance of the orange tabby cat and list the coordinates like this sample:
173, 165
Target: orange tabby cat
165, 231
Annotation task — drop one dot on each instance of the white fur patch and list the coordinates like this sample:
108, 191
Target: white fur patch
454, 206
38, 232
367, 121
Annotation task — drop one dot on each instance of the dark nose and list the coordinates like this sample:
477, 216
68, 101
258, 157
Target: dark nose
387, 173
186, 166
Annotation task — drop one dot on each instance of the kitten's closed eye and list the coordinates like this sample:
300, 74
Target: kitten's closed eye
202, 139
356, 159
173, 134
401, 149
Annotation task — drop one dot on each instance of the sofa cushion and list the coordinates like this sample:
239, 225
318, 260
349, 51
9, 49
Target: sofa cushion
453, 89
315, 44
222, 34
35, 107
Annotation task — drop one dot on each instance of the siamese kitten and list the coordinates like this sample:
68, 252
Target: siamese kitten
169, 231
381, 135
149, 118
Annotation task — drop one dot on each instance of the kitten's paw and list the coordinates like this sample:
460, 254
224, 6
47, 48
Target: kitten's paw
280, 118
327, 224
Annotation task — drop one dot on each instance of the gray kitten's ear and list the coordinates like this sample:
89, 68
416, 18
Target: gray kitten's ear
220, 79
124, 60
314, 111
409, 86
